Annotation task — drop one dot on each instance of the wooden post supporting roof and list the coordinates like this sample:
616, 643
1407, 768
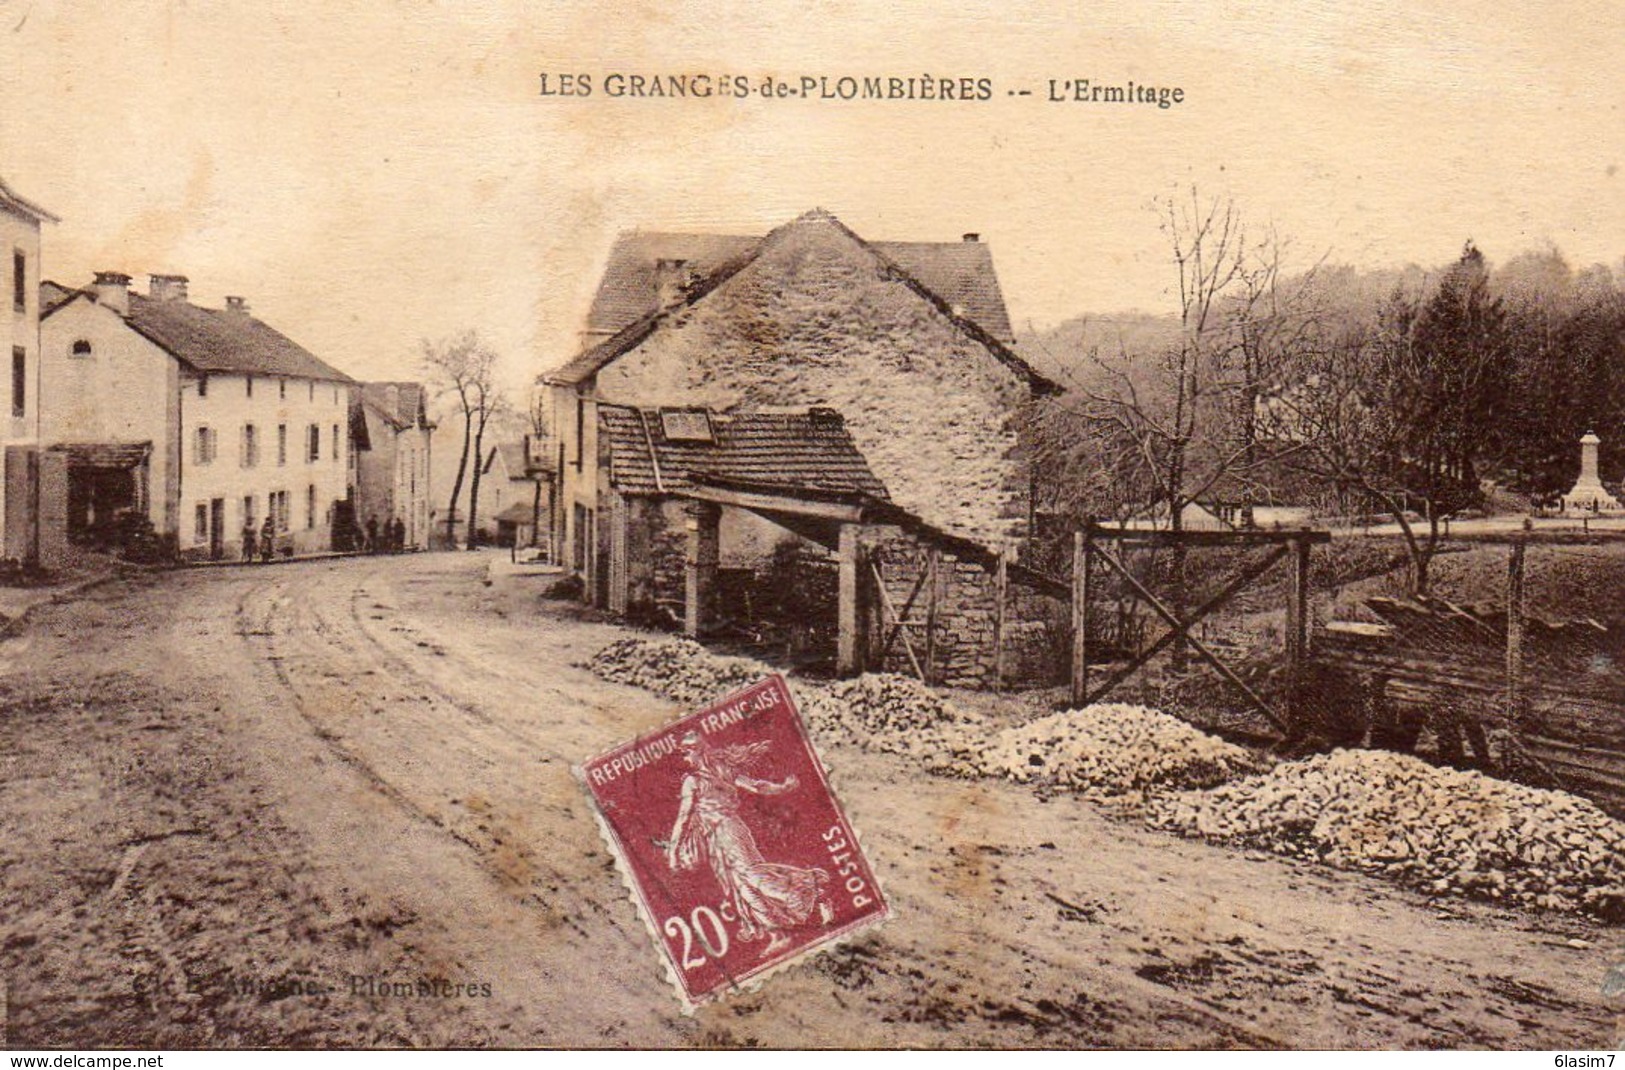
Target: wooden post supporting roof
700, 586
847, 613
1001, 594
933, 558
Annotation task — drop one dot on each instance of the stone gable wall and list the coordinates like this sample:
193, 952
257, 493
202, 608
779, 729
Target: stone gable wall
818, 320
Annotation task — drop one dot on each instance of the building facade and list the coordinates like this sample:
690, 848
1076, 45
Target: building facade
392, 435
30, 530
514, 500
909, 342
202, 423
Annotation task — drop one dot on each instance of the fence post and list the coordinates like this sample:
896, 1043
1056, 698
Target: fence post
1297, 629
1515, 606
1080, 616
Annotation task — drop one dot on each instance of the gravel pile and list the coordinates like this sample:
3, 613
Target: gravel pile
1443, 829
679, 669
895, 713
1111, 749
880, 712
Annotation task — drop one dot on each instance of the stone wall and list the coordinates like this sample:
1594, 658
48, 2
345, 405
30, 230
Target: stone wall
818, 319
960, 650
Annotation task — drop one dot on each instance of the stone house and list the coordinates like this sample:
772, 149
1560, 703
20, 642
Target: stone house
391, 434
909, 342
894, 357
31, 526
514, 499
203, 421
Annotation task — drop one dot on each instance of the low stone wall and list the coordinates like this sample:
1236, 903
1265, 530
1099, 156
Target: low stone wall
962, 647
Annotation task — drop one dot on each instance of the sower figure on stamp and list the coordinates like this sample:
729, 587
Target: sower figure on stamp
768, 897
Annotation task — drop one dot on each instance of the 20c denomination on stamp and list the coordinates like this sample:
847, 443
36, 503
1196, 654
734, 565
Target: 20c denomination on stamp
735, 847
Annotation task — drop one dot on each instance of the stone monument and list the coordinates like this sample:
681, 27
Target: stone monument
1588, 495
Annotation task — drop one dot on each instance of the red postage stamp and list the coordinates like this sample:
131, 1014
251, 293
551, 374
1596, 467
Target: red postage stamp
736, 848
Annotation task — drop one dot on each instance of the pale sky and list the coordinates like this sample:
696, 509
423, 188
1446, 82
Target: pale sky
372, 173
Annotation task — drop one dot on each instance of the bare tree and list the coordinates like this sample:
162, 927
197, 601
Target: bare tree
1404, 412
463, 368
1169, 425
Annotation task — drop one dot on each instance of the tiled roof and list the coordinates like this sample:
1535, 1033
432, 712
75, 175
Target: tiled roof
955, 276
53, 295
213, 340
517, 513
810, 450
409, 403
11, 202
961, 273
513, 459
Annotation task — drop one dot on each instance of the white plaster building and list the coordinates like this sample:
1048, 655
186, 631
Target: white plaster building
28, 531
204, 421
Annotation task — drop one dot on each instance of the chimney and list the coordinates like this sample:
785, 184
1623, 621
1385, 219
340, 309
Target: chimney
972, 236
671, 278
237, 306
112, 289
166, 287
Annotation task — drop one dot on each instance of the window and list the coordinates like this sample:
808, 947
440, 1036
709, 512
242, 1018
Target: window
205, 445
314, 439
251, 446
248, 381
19, 280
313, 390
277, 505
203, 386
281, 444
200, 525
19, 381
81, 348
282, 389
335, 443
248, 511
310, 506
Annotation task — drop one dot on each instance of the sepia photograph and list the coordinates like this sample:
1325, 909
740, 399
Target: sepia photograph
654, 526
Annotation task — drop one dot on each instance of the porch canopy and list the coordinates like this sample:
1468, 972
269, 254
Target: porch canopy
834, 520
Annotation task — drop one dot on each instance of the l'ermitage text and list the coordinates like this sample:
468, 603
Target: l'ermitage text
933, 88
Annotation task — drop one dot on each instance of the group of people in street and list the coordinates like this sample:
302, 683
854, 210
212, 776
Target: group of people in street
260, 543
388, 538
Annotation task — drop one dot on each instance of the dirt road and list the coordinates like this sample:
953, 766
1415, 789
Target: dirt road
257, 806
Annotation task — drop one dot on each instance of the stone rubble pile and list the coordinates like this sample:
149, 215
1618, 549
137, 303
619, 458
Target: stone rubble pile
1113, 749
679, 669
880, 712
894, 713
1446, 830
